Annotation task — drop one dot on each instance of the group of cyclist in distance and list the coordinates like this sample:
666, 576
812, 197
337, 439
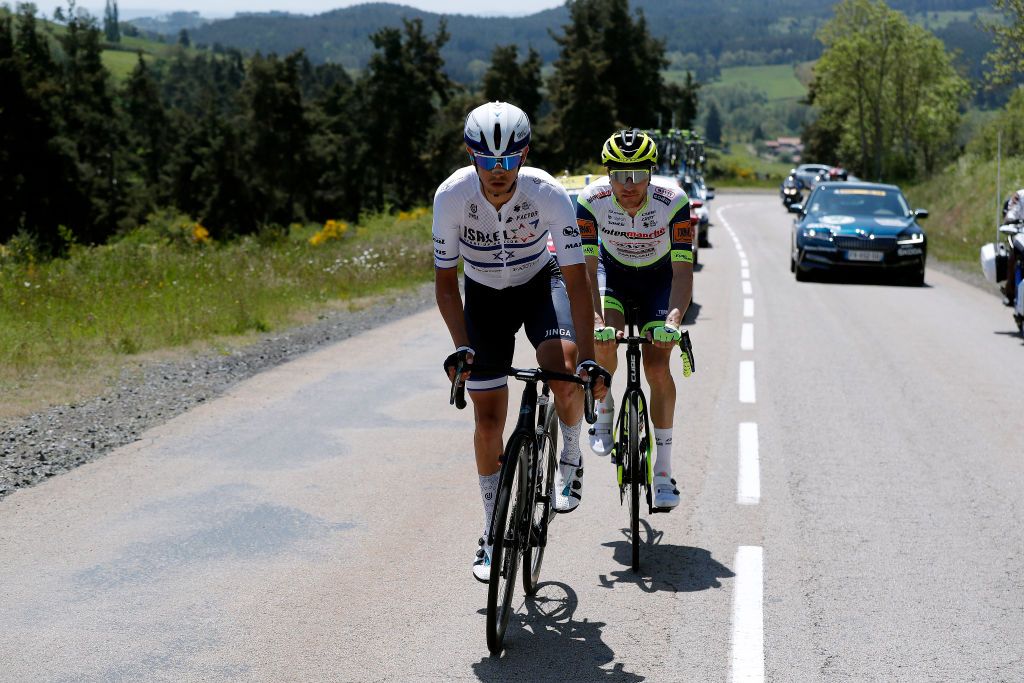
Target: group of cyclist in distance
628, 244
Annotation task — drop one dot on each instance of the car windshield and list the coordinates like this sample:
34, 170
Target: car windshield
858, 201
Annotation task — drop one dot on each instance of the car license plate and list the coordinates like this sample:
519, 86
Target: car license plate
864, 256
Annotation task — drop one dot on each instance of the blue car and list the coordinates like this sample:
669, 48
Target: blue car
858, 226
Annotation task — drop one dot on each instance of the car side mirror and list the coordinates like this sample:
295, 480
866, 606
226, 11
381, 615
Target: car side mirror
921, 213
796, 208
696, 203
711, 193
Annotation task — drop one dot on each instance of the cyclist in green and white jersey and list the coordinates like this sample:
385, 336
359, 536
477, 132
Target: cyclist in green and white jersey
638, 242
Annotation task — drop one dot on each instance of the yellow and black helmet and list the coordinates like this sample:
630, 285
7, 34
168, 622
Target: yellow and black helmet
629, 148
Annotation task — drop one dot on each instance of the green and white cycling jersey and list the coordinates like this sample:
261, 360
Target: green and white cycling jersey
503, 248
660, 230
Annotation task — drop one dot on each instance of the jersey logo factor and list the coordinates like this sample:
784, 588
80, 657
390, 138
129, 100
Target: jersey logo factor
682, 232
587, 228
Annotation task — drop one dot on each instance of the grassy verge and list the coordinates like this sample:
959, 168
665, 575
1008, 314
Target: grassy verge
962, 205
87, 314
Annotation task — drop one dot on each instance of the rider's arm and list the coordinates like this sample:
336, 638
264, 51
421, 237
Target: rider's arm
683, 234
587, 225
577, 286
446, 273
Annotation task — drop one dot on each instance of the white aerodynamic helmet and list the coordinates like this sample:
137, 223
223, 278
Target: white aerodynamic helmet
497, 129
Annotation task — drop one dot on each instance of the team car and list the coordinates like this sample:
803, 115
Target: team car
855, 225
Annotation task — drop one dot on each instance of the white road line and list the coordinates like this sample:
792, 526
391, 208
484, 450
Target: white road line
748, 616
747, 337
747, 390
745, 273
746, 288
744, 263
748, 308
749, 488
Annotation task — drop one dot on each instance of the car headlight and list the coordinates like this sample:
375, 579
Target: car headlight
818, 234
910, 238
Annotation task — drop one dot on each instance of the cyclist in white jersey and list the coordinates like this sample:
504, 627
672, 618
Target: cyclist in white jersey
495, 216
638, 242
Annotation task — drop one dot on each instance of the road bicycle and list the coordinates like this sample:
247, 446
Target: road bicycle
525, 499
632, 442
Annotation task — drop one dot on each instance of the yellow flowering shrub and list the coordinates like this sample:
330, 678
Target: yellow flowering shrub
332, 230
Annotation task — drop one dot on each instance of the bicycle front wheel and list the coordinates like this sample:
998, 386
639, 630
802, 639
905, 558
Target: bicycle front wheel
543, 511
510, 539
633, 468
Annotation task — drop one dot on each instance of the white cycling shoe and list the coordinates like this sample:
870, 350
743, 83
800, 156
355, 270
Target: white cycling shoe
568, 486
601, 439
482, 562
666, 495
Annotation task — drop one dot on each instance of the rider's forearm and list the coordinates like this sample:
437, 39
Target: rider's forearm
680, 294
449, 303
595, 291
577, 286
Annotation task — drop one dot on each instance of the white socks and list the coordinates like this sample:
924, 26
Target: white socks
571, 452
663, 461
488, 493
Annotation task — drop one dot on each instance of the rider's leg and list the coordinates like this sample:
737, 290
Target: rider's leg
559, 355
663, 403
607, 358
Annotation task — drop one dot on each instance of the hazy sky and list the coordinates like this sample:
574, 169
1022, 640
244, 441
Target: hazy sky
129, 9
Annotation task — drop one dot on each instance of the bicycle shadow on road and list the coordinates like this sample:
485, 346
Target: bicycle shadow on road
663, 566
544, 643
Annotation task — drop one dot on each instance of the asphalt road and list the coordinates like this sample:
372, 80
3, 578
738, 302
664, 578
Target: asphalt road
852, 475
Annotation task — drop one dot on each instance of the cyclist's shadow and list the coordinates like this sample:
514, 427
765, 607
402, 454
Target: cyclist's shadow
543, 643
664, 567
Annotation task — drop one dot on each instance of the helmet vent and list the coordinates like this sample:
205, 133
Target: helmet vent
497, 139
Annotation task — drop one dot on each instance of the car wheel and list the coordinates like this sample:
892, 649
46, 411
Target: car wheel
917, 279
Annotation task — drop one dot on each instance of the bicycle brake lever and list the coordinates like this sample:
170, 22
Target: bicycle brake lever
458, 395
686, 349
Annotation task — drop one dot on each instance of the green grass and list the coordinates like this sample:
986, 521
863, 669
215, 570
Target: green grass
120, 64
962, 205
742, 168
77, 316
777, 80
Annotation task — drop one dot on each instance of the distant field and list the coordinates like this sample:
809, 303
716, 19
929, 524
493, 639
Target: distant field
778, 80
939, 20
120, 64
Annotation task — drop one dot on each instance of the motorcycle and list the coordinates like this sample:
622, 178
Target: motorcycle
790, 191
1004, 262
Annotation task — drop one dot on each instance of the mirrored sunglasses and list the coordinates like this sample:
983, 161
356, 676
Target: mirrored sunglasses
490, 163
626, 175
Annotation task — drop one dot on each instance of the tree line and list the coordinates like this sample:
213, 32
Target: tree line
256, 144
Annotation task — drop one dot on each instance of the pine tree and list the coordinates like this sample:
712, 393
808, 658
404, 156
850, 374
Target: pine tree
713, 125
400, 93
111, 27
509, 80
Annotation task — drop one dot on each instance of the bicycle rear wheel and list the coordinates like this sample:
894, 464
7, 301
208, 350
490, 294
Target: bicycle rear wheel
510, 538
633, 468
543, 502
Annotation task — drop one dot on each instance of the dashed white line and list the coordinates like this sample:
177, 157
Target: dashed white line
749, 489
744, 263
748, 616
748, 308
747, 337
746, 288
747, 390
745, 273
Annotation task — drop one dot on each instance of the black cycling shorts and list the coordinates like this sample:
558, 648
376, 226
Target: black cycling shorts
493, 316
645, 289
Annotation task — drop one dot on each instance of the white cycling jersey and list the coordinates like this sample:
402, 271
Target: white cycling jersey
504, 248
660, 229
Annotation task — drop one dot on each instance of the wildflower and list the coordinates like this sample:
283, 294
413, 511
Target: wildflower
200, 235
